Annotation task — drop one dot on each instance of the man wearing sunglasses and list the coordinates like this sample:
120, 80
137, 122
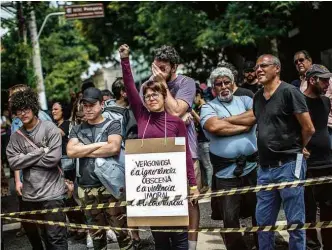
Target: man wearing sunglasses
303, 62
250, 78
284, 129
233, 151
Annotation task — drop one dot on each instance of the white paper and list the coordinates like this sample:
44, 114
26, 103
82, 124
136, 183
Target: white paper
298, 165
156, 174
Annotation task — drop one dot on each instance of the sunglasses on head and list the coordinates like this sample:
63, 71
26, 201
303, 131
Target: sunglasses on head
301, 60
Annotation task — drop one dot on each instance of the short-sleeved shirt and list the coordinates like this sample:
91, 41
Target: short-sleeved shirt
279, 132
319, 145
230, 146
86, 134
184, 88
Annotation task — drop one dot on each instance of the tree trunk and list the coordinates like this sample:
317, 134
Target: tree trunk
36, 60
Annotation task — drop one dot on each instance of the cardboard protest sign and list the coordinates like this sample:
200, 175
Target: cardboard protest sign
156, 169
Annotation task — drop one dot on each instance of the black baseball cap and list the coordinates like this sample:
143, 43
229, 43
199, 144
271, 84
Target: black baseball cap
318, 70
249, 66
92, 95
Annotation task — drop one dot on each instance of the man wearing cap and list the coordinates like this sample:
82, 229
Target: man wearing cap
319, 163
233, 150
250, 79
82, 145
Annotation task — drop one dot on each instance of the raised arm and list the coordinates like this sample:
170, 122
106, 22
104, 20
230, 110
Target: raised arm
134, 99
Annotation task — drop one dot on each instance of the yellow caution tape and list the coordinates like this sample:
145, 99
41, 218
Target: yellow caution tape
292, 227
228, 192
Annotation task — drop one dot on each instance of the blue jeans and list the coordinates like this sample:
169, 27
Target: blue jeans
292, 199
204, 156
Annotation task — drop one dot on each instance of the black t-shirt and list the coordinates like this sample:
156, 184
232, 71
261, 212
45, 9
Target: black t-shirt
253, 88
279, 132
243, 92
320, 145
86, 134
65, 128
200, 133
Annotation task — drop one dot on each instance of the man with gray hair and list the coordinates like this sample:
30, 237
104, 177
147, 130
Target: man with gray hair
233, 150
284, 129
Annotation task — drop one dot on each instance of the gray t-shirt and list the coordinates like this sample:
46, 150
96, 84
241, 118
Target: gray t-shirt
184, 88
86, 134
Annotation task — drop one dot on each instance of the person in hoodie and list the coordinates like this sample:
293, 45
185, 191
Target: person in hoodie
35, 148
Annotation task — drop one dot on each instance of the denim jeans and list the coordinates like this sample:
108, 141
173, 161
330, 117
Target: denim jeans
292, 199
204, 156
231, 208
170, 241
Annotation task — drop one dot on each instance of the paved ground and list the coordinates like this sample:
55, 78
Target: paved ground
206, 241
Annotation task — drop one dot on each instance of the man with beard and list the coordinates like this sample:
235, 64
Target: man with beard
233, 150
250, 79
237, 91
320, 160
303, 62
181, 91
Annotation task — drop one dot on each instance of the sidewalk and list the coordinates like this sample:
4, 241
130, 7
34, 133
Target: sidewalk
210, 241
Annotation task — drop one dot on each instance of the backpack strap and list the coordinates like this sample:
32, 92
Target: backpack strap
98, 137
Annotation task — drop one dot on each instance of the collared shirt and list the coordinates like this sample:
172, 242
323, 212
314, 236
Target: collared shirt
230, 146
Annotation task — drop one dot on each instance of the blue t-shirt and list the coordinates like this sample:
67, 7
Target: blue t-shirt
235, 145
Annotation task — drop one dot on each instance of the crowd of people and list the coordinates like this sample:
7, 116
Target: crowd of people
261, 131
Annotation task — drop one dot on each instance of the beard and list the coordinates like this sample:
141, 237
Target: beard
168, 77
228, 98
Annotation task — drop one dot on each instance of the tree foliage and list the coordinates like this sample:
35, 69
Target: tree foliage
65, 53
199, 30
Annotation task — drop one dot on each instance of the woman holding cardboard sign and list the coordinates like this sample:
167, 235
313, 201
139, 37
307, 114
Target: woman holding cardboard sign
154, 122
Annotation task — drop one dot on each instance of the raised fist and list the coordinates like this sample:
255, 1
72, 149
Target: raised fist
124, 51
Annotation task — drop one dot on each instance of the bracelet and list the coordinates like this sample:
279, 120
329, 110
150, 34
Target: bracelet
193, 187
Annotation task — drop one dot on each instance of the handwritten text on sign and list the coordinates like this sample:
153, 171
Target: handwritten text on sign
156, 175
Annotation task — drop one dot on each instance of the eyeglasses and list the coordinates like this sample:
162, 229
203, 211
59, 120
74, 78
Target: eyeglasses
23, 111
225, 83
262, 66
154, 96
301, 60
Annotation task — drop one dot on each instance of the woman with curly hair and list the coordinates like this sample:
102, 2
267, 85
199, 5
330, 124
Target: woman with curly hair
35, 149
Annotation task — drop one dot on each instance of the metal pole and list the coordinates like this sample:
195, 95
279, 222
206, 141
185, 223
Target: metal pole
45, 20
